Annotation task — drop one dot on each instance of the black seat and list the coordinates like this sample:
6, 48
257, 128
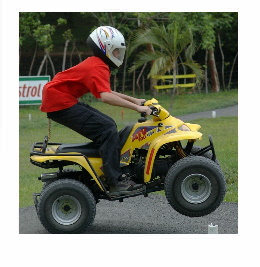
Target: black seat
90, 149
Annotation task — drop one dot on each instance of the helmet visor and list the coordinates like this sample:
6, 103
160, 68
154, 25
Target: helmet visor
119, 53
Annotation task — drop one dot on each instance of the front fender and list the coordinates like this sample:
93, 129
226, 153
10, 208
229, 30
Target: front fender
158, 142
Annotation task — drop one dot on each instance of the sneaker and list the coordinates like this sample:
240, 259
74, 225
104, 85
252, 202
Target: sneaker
125, 186
127, 177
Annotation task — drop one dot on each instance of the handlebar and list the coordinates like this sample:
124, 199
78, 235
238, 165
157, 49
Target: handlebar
143, 114
157, 111
154, 112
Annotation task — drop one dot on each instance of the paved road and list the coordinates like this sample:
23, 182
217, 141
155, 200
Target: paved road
143, 215
151, 215
223, 112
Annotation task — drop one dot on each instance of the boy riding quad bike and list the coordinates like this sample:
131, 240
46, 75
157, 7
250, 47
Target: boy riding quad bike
61, 101
158, 153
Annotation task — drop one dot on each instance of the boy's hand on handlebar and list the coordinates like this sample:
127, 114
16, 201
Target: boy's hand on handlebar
140, 102
144, 109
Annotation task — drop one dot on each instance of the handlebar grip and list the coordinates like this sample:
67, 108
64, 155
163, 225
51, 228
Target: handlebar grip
143, 114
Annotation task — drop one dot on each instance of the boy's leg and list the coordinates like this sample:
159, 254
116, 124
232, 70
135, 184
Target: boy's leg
98, 127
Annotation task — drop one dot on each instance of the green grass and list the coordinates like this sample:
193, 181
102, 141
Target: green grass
192, 103
223, 130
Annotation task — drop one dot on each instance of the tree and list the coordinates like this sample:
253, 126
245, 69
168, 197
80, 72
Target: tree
28, 22
43, 38
169, 43
207, 27
208, 30
203, 25
67, 36
222, 22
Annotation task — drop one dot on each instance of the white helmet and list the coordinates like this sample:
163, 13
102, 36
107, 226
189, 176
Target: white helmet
109, 44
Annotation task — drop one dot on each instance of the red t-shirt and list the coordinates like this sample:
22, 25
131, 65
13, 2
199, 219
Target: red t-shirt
92, 75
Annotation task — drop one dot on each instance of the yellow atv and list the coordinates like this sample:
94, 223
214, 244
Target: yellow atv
158, 153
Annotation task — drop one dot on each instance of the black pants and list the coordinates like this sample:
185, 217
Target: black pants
97, 127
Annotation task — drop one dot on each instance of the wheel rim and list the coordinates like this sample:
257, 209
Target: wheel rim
66, 210
196, 188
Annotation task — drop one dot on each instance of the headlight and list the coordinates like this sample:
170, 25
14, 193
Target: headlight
184, 128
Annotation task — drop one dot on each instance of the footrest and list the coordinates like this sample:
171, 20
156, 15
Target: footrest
120, 197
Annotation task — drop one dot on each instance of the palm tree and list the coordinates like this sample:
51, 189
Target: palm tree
168, 43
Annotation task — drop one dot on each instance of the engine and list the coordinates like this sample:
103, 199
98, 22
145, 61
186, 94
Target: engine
160, 169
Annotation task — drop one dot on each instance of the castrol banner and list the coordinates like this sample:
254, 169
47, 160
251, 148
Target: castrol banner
30, 89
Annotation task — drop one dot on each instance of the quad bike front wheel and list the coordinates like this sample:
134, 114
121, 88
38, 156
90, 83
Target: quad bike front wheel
195, 186
66, 207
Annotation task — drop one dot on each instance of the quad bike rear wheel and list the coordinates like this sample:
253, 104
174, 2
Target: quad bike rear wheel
66, 206
195, 186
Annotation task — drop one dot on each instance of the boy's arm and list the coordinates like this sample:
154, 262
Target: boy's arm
134, 100
115, 99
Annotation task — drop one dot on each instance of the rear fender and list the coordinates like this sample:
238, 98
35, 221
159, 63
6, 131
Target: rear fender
158, 142
80, 159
